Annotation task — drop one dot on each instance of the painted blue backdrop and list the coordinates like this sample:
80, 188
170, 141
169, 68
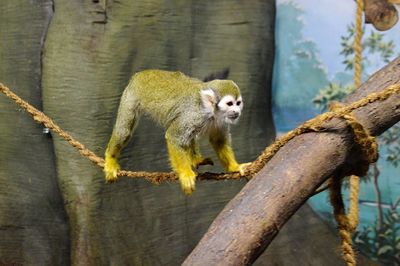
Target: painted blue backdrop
313, 66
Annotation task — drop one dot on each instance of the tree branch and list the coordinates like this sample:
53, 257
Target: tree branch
248, 224
380, 13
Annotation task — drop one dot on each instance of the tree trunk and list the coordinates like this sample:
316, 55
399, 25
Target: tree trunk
250, 221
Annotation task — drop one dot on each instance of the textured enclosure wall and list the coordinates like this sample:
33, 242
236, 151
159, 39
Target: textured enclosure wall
33, 223
90, 51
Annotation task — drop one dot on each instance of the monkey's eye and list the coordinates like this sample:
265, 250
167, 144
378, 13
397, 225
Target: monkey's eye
229, 103
238, 103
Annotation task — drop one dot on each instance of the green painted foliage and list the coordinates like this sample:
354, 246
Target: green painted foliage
379, 241
382, 243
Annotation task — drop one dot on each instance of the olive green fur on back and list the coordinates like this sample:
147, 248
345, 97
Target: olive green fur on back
163, 84
165, 94
174, 83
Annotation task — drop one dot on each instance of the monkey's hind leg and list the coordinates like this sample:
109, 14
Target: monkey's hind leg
111, 166
181, 163
127, 119
196, 157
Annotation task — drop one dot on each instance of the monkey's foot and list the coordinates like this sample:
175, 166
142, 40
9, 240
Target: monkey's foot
203, 161
242, 168
111, 168
188, 183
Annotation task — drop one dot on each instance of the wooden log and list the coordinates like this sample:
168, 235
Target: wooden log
381, 13
248, 224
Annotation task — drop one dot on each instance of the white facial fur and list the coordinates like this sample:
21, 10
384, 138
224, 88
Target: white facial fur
230, 108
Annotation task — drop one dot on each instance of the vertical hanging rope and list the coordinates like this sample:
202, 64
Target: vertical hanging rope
347, 224
335, 195
353, 215
357, 44
355, 180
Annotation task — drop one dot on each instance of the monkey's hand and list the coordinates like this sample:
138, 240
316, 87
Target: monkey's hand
242, 168
188, 183
235, 167
111, 168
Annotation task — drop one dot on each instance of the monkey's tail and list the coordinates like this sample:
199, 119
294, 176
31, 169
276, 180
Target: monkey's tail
127, 119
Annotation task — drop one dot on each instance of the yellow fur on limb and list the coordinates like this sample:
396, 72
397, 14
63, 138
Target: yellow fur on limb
181, 163
196, 158
224, 151
111, 168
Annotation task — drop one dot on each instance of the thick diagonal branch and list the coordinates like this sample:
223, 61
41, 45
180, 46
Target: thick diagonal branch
249, 223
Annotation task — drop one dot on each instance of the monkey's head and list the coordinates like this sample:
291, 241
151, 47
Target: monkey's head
223, 101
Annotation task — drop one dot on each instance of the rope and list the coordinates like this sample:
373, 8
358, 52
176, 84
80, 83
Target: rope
357, 46
367, 144
313, 125
342, 220
347, 224
40, 117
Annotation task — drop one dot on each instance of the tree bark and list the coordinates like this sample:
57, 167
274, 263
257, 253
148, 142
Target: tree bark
248, 224
380, 13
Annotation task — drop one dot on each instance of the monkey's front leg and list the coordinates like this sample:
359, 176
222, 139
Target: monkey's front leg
196, 157
181, 162
221, 144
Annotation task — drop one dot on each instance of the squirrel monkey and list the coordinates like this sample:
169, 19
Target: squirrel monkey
188, 109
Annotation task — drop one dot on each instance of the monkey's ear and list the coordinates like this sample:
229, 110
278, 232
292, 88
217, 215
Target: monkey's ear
209, 99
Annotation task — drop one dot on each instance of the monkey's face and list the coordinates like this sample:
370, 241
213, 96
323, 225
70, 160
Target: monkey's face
230, 108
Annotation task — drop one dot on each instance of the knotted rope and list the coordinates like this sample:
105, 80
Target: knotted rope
347, 224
